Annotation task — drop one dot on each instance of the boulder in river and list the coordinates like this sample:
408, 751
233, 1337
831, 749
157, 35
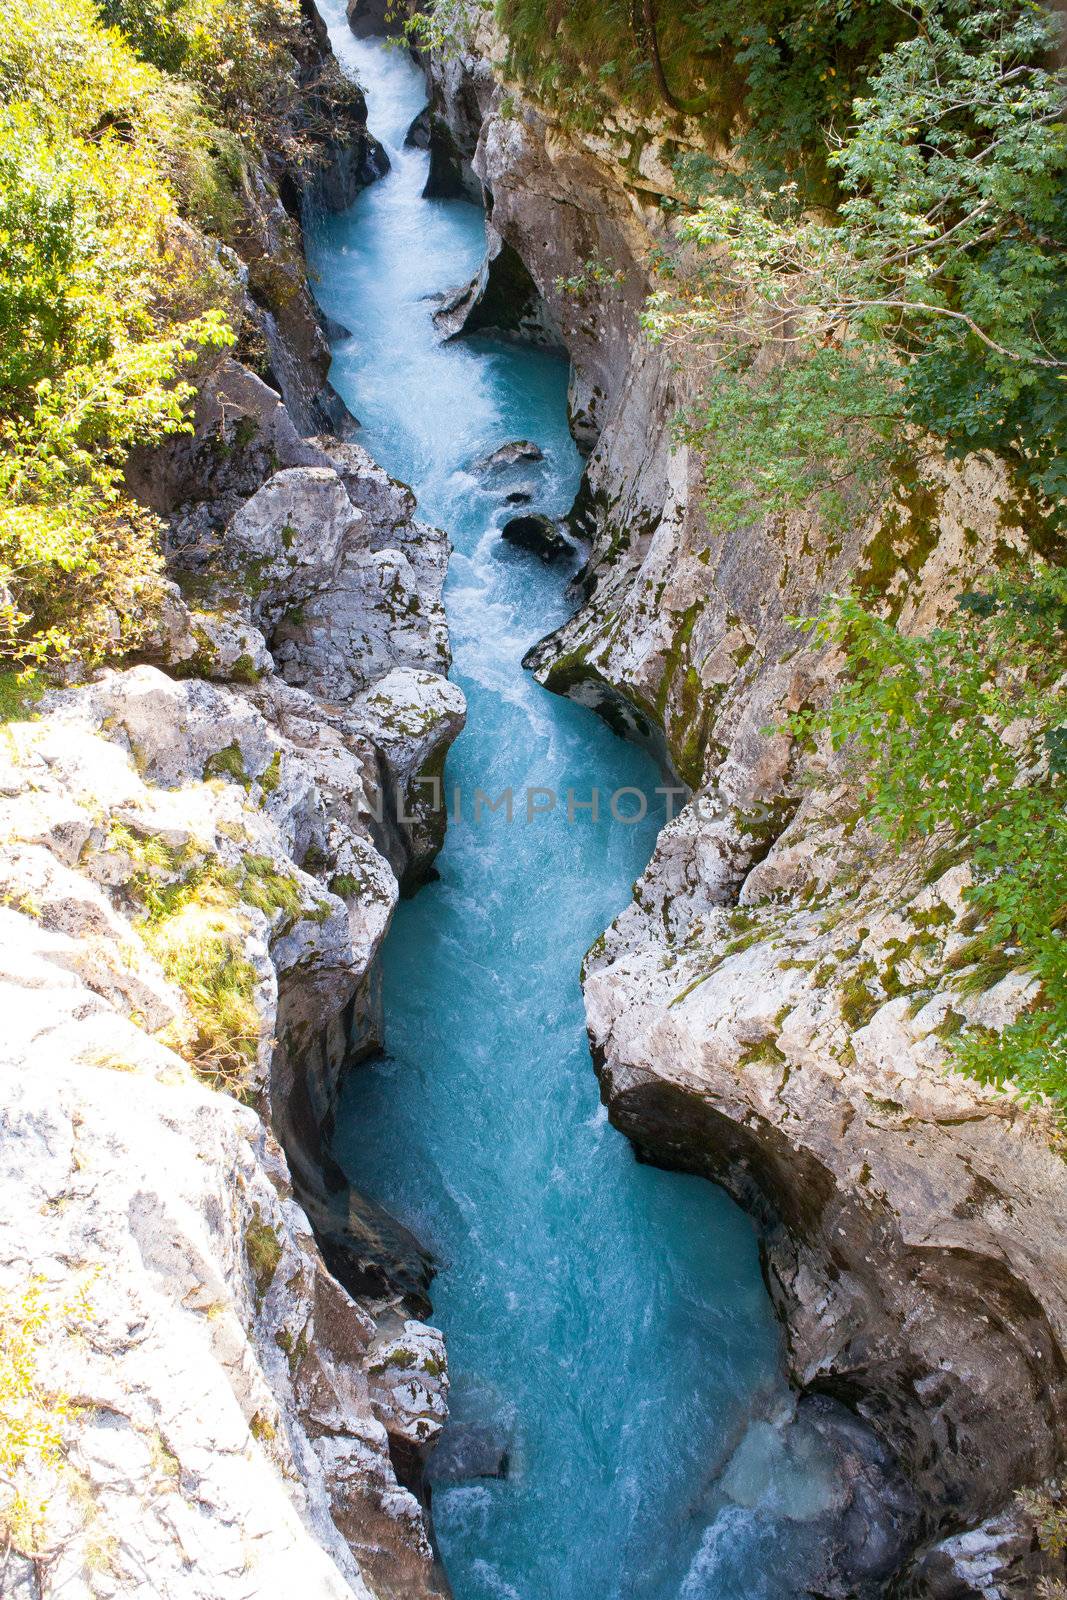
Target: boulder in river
509, 455
537, 533
369, 19
521, 495
335, 331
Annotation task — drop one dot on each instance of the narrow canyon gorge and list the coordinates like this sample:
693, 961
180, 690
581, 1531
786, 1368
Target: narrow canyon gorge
395, 943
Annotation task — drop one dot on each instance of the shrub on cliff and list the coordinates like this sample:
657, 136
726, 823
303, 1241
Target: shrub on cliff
963, 732
243, 56
127, 130
35, 1415
934, 295
246, 82
107, 301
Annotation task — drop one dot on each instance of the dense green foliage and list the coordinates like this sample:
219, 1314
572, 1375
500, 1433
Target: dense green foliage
246, 61
769, 73
104, 304
963, 733
934, 293
826, 427
110, 139
240, 55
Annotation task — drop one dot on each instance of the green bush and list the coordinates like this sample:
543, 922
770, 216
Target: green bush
934, 294
106, 304
242, 55
964, 731
36, 1417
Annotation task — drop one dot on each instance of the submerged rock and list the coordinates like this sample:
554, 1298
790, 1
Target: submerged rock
538, 534
508, 455
367, 1250
469, 1450
335, 331
877, 1518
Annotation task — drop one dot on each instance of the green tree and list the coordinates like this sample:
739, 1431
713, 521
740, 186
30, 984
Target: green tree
106, 303
939, 278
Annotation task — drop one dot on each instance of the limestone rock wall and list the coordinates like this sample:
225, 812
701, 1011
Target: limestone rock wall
230, 1436
776, 1007
200, 858
199, 865
215, 1342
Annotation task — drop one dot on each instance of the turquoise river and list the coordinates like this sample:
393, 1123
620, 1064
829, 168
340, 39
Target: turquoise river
608, 1318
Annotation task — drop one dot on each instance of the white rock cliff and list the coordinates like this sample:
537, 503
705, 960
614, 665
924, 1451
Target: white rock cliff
173, 847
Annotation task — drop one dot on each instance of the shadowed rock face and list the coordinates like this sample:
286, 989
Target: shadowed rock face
775, 1009
450, 176
374, 18
418, 134
502, 302
458, 92
327, 124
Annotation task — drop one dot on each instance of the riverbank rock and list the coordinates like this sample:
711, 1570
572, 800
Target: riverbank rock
335, 331
324, 557
225, 1435
794, 1045
161, 836
418, 134
502, 302
458, 85
199, 866
370, 19
538, 534
775, 1010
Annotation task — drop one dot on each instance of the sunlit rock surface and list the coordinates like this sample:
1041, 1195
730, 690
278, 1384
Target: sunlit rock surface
242, 1425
